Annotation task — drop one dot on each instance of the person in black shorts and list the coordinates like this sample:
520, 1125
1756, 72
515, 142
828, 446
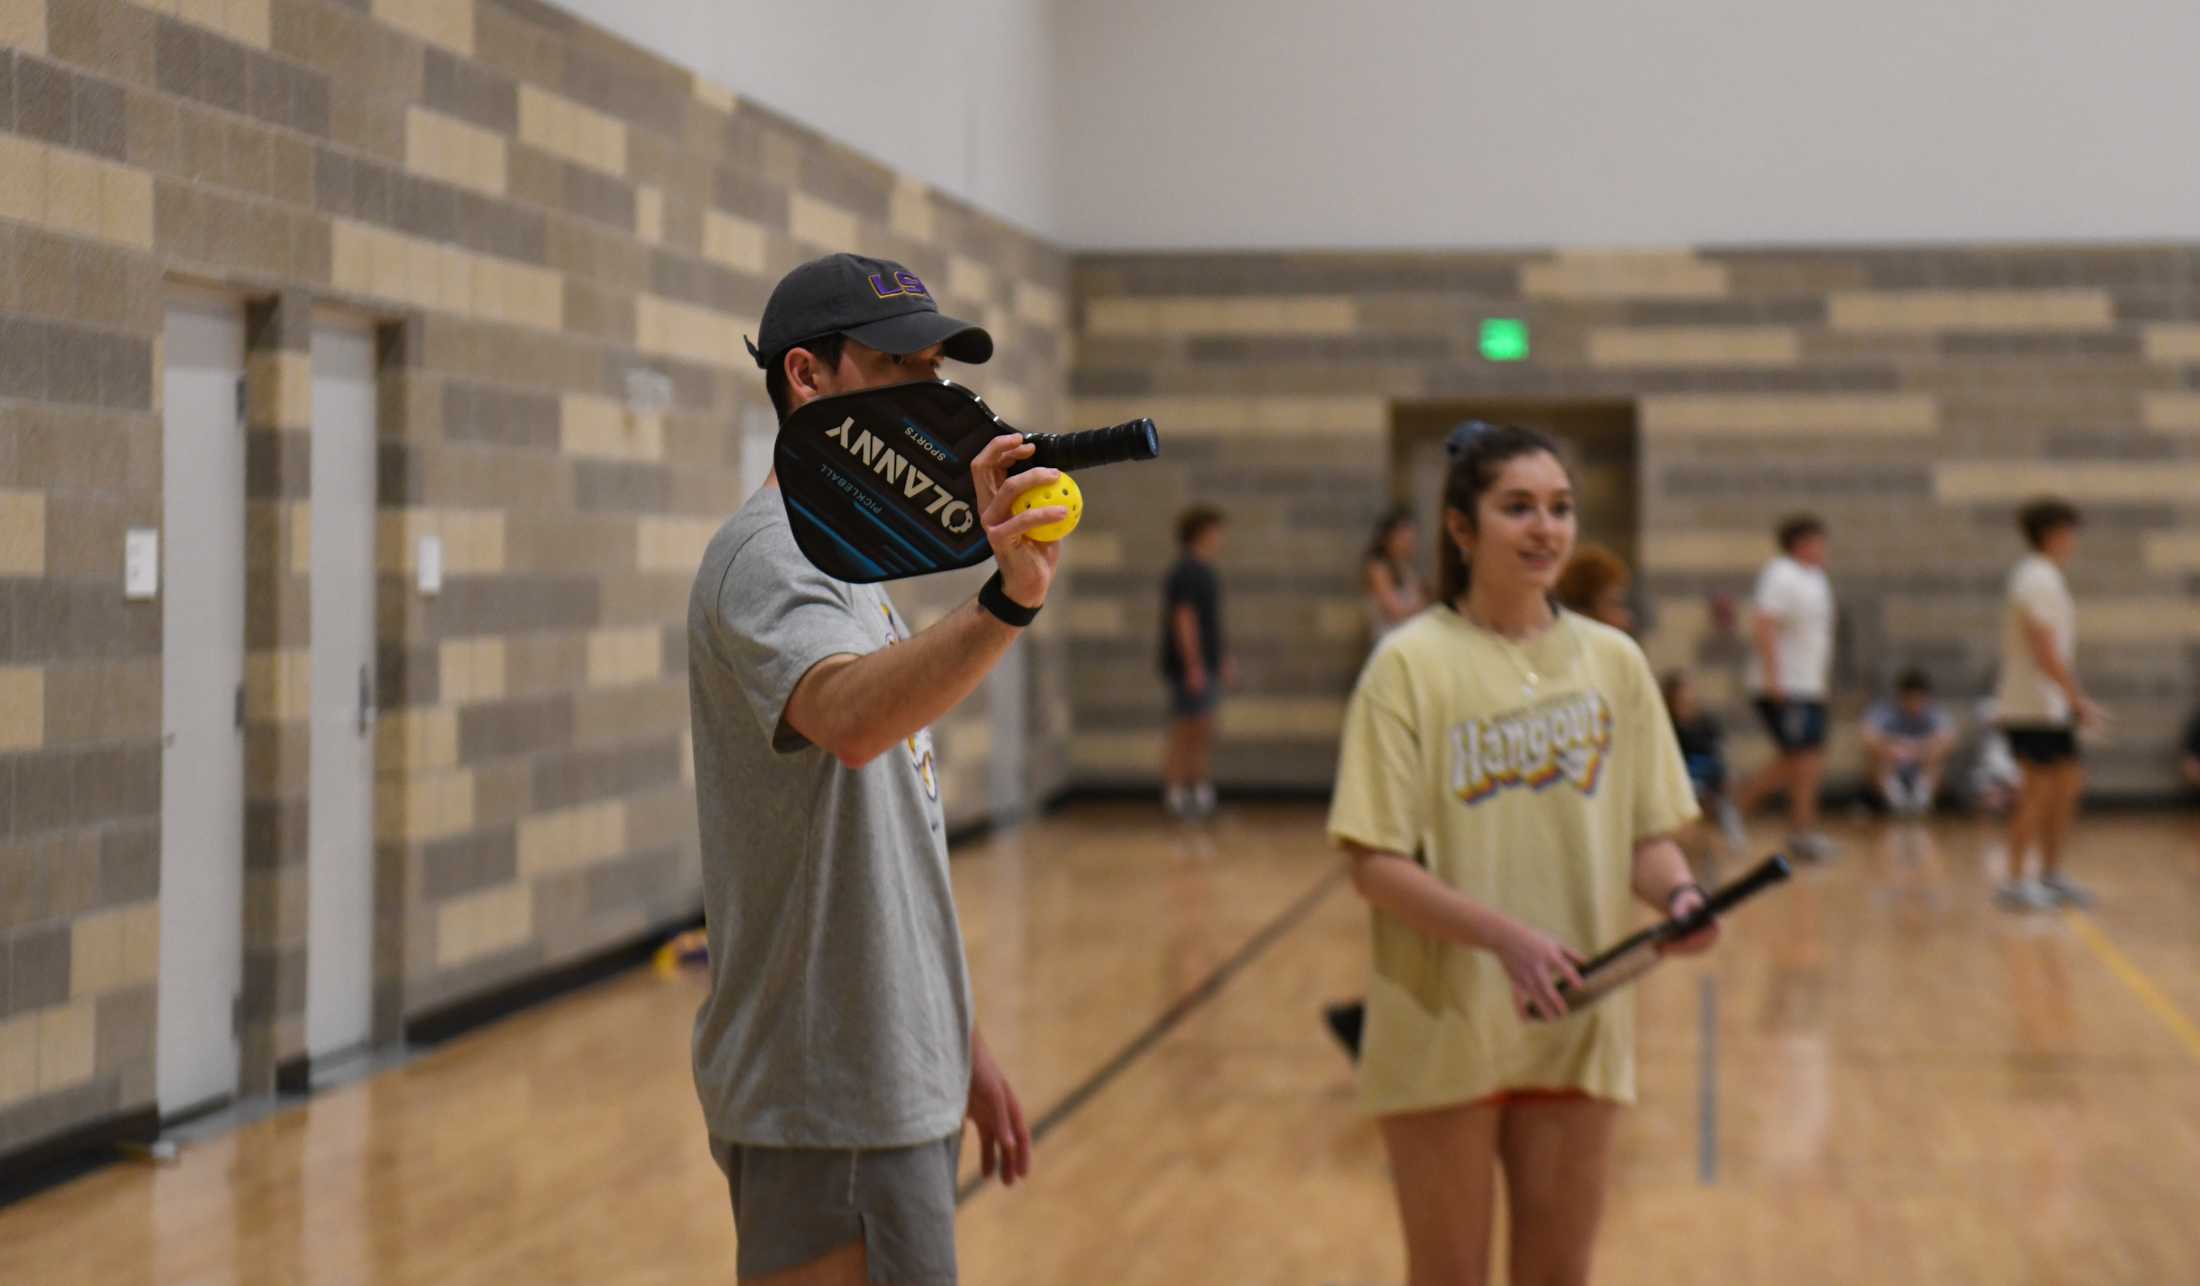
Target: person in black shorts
2041, 707
1194, 662
1789, 668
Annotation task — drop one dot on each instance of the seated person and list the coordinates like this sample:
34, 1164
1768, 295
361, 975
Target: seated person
1698, 733
1909, 739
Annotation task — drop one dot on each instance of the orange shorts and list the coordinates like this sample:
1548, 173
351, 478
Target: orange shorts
1511, 1098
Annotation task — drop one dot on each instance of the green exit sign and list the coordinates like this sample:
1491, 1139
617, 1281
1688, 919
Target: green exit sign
1504, 339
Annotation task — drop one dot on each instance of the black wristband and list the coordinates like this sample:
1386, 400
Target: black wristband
995, 600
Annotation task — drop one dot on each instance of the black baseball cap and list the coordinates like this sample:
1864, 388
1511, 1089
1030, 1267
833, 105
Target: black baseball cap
875, 302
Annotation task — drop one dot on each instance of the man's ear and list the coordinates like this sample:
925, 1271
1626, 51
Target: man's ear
806, 376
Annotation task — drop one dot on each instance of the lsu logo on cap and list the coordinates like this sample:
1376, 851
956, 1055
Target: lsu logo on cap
903, 283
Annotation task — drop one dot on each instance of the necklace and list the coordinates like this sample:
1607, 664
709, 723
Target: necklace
1515, 652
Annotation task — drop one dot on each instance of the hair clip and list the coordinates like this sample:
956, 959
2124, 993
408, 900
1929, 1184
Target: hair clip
1463, 436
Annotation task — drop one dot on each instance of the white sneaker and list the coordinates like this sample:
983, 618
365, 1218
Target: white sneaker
1203, 799
1178, 801
1730, 824
1907, 798
2061, 890
2023, 895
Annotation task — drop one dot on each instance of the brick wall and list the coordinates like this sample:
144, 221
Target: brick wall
533, 209
1914, 397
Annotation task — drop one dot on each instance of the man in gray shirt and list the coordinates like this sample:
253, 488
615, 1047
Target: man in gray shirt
836, 1057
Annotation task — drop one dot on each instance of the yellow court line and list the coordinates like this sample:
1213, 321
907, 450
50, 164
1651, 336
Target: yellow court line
2141, 986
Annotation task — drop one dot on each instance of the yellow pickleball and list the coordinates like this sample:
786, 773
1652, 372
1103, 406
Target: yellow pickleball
1062, 491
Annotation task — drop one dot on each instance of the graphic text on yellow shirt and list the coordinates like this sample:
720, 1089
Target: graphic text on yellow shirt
1563, 739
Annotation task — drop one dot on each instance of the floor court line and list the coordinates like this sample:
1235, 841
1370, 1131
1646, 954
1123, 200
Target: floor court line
1707, 1103
1207, 989
2163, 1008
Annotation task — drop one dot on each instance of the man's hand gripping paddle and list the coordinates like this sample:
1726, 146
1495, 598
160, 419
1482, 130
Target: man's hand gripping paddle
877, 484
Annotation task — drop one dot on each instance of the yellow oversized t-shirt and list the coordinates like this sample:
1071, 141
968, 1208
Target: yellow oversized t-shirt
1521, 775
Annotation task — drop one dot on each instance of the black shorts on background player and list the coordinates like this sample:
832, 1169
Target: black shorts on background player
1187, 704
2042, 745
1699, 738
1795, 726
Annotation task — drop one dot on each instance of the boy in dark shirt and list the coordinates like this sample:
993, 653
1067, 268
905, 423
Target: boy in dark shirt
1194, 662
1698, 733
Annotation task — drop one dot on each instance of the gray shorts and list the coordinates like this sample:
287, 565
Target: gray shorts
792, 1206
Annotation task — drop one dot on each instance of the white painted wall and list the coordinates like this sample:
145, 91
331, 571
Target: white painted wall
959, 94
1318, 123
1442, 123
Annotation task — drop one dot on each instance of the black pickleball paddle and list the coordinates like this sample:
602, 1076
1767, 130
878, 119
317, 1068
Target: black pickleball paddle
877, 484
1634, 955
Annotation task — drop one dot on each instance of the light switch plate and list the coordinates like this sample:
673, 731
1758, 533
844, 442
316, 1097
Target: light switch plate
431, 564
141, 564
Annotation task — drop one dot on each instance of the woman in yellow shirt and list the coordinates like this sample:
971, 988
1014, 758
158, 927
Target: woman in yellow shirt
1508, 785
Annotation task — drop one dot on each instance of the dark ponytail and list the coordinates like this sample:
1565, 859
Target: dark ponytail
1479, 452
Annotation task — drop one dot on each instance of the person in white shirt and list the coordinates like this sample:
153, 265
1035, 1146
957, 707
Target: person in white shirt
2041, 706
1787, 677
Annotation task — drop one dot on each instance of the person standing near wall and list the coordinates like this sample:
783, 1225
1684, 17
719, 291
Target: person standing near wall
1789, 665
1390, 575
1507, 789
2041, 707
1391, 581
1194, 661
836, 1055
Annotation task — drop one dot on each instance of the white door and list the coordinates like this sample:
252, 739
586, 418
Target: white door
340, 815
202, 652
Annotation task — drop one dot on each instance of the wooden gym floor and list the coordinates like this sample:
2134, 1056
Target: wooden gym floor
1910, 1087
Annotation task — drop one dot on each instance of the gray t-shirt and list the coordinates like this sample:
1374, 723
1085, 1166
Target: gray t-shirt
839, 1007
